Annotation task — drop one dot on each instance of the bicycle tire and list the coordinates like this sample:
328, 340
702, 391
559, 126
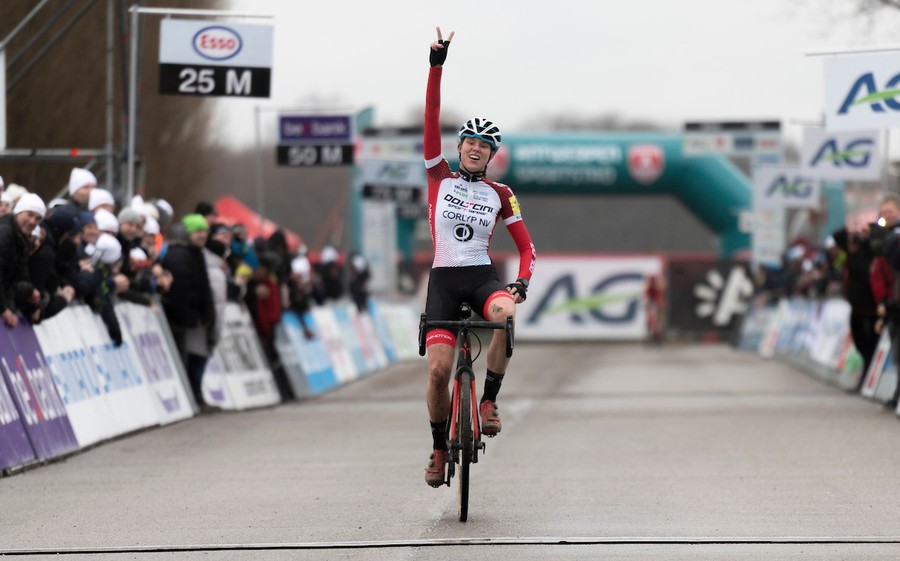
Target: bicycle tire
466, 442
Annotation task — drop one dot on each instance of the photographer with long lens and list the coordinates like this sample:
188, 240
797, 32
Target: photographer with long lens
857, 290
884, 237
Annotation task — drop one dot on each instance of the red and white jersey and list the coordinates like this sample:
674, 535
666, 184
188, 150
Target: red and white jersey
462, 214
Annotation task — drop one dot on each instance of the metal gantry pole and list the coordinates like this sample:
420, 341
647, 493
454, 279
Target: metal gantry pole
260, 188
136, 10
132, 102
110, 104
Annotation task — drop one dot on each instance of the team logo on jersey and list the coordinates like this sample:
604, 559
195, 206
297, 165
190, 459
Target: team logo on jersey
514, 204
463, 232
646, 162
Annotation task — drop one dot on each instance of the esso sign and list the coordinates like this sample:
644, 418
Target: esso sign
217, 43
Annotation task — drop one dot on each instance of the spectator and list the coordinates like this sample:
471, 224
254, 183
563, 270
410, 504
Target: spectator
15, 192
81, 183
857, 290
217, 271
882, 276
17, 293
107, 222
264, 303
359, 281
5, 203
44, 262
301, 291
104, 281
330, 275
208, 211
189, 303
101, 199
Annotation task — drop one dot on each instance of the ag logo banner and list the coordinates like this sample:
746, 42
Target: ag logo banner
784, 187
841, 155
586, 298
861, 91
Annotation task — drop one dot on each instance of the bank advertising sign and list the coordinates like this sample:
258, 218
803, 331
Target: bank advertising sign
851, 155
861, 91
784, 187
586, 298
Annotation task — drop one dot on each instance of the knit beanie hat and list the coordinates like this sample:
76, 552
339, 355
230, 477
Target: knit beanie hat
79, 178
107, 249
194, 223
100, 197
106, 221
151, 226
15, 191
129, 215
32, 202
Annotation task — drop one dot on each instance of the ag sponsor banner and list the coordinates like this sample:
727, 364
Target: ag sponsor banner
707, 296
586, 298
341, 359
784, 187
141, 328
239, 360
119, 376
402, 324
362, 347
77, 379
30, 384
841, 155
861, 91
830, 333
313, 360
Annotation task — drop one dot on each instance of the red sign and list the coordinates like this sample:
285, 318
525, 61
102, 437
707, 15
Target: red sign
646, 162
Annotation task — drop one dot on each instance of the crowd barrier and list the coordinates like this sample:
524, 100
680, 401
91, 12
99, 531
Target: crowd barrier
64, 385
814, 335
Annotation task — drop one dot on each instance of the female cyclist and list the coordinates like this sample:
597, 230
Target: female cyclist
463, 209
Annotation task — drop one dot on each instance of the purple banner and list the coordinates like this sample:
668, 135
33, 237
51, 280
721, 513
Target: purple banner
15, 448
318, 128
30, 384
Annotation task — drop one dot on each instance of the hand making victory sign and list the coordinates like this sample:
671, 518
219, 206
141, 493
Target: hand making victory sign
439, 49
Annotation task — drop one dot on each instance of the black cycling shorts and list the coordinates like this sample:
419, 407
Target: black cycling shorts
448, 287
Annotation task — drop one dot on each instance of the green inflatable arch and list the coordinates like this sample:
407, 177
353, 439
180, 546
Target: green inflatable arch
630, 164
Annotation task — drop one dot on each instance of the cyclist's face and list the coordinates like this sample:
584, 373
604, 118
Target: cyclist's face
474, 154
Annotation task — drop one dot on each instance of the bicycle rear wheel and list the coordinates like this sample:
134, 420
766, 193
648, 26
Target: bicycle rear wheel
466, 442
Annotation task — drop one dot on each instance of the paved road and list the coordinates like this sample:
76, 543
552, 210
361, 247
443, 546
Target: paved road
607, 451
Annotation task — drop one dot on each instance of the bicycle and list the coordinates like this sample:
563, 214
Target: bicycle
464, 436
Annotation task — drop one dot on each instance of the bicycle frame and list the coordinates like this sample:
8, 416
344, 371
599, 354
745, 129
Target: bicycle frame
464, 417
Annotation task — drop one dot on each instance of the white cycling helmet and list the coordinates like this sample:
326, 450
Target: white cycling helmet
482, 129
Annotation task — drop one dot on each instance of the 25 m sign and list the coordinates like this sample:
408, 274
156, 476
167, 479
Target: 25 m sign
206, 59
214, 80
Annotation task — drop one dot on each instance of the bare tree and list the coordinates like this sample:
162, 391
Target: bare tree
56, 84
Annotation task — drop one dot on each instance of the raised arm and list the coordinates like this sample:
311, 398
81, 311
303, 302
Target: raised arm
437, 56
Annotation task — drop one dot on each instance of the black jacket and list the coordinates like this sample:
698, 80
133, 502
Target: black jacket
189, 302
14, 277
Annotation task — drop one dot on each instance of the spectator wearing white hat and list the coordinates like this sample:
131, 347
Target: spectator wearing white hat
15, 192
107, 222
105, 281
17, 293
81, 183
101, 198
6, 203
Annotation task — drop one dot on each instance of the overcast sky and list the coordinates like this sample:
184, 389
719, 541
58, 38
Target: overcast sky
515, 60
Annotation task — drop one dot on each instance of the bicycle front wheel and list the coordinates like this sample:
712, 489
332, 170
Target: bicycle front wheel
466, 442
